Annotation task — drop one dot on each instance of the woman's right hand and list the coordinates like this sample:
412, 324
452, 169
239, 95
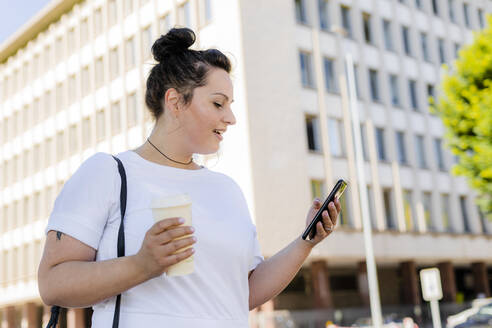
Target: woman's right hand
159, 244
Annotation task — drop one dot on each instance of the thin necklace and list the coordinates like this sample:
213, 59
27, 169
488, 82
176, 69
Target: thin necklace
191, 160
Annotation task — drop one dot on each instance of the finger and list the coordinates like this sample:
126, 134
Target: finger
327, 222
320, 230
176, 245
333, 212
164, 224
338, 205
317, 203
174, 233
178, 257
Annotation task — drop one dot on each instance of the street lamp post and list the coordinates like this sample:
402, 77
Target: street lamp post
365, 213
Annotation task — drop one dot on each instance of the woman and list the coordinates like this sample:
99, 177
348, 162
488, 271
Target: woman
189, 93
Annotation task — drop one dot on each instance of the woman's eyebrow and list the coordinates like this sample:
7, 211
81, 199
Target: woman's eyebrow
220, 93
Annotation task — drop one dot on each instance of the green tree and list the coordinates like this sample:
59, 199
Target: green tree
465, 107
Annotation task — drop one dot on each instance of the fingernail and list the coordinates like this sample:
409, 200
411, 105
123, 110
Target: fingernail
181, 220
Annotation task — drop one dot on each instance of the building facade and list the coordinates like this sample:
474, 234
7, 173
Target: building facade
72, 83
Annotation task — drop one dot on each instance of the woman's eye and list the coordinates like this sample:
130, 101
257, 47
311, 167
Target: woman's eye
217, 105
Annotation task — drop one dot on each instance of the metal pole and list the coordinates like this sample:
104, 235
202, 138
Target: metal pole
436, 317
366, 220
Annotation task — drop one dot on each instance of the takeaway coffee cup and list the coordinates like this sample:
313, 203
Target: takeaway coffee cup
178, 205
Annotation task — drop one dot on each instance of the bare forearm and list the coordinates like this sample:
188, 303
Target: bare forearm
273, 275
82, 284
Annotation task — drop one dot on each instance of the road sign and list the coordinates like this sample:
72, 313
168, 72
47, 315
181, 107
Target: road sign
430, 280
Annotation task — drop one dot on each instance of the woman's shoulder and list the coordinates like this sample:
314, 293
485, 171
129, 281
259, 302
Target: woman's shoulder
99, 164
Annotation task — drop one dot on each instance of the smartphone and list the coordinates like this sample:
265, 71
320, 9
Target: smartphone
337, 192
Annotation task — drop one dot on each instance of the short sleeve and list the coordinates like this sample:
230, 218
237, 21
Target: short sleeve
83, 206
256, 257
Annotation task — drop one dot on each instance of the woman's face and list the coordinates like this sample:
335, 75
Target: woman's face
209, 109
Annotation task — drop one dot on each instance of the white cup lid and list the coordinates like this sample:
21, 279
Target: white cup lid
171, 201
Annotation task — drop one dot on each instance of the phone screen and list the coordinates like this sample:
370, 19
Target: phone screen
337, 192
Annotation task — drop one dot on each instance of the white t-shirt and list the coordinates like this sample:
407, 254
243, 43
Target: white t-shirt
217, 293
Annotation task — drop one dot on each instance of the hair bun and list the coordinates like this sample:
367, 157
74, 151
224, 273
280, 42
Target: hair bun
176, 41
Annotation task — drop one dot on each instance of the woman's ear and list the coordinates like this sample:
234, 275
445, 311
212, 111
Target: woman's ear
171, 100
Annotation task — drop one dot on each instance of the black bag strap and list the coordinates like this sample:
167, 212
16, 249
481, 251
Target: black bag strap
121, 235
55, 310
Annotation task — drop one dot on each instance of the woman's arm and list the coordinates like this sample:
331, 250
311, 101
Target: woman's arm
69, 277
273, 275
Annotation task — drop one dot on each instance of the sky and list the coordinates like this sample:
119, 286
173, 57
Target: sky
15, 13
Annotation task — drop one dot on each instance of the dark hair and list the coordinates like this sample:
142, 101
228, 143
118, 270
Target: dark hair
179, 67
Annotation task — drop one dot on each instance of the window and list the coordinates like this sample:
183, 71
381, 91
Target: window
73, 139
312, 129
329, 75
60, 96
71, 40
420, 150
37, 158
84, 31
388, 209
456, 50
430, 93
99, 72
418, 4
146, 42
370, 196
306, 69
425, 49
86, 133
336, 138
100, 125
164, 24
86, 81
406, 40
394, 90
388, 39
48, 151
412, 85
366, 22
207, 4
374, 85
300, 12
131, 110
481, 19
72, 89
184, 14
114, 63
356, 76
317, 189
410, 220
442, 57
363, 136
47, 57
427, 205
97, 21
435, 8
112, 12
324, 20
59, 50
26, 113
452, 16
401, 149
60, 145
445, 213
464, 214
47, 106
466, 15
439, 155
128, 7
346, 21
130, 53
115, 118
380, 144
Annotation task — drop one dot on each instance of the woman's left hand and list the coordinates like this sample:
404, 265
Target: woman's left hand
325, 227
